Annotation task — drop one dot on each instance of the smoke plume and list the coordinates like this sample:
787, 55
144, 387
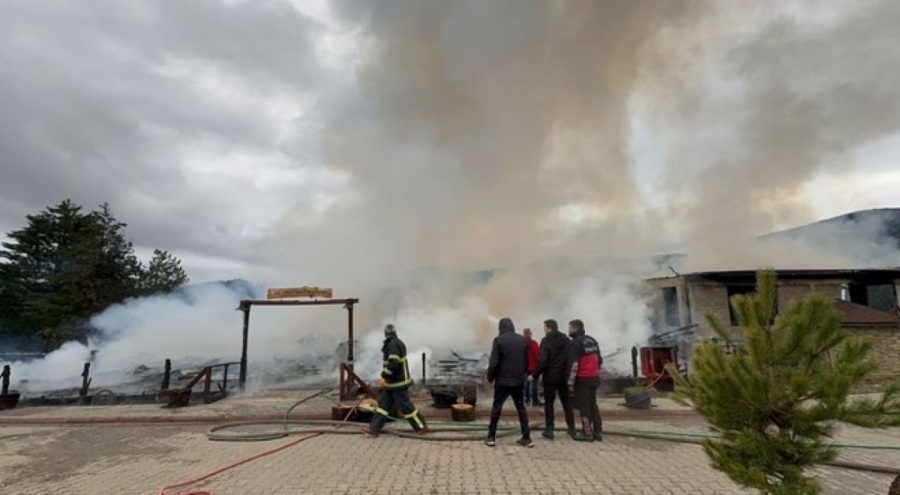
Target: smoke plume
526, 158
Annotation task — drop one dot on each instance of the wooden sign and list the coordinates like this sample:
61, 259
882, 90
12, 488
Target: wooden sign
294, 292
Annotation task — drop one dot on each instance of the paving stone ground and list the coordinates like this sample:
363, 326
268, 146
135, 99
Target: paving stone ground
127, 460
131, 459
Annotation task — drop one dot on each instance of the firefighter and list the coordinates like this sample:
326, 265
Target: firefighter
394, 383
584, 380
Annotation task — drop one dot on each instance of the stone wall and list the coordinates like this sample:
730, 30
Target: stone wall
698, 296
885, 351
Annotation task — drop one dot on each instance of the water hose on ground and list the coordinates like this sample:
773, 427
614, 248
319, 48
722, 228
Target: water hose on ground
326, 426
692, 439
320, 428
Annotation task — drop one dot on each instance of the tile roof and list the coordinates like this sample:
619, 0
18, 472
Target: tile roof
859, 315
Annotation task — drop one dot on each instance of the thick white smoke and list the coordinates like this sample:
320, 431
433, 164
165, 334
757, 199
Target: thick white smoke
527, 152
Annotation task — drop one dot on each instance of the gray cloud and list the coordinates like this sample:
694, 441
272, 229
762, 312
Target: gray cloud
218, 130
109, 101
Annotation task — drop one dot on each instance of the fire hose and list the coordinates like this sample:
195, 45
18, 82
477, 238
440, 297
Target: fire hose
329, 427
321, 427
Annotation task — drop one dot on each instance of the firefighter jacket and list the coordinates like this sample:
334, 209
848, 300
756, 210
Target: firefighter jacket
395, 369
584, 357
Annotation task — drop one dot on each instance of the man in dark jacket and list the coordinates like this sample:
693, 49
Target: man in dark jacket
394, 382
553, 365
508, 365
584, 378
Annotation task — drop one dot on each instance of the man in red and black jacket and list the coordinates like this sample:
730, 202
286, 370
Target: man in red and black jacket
531, 386
584, 378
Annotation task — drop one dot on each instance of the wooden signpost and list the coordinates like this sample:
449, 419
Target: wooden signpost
295, 292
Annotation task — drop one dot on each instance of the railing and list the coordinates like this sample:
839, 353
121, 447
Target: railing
181, 396
206, 375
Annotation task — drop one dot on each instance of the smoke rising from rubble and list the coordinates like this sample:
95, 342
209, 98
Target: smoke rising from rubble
472, 133
477, 128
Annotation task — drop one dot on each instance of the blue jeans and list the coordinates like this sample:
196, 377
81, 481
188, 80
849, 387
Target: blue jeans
530, 391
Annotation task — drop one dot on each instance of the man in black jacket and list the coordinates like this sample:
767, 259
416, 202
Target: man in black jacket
507, 370
553, 366
394, 382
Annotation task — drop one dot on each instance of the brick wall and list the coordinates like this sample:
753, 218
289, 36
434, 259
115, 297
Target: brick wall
703, 295
709, 298
885, 351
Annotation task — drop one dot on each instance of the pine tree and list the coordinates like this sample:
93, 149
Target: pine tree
775, 402
67, 265
163, 274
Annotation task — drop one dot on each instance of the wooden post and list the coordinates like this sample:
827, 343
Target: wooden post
4, 389
350, 333
207, 385
634, 362
242, 380
85, 380
342, 386
424, 376
225, 380
167, 374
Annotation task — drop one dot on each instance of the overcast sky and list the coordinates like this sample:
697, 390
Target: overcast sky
219, 129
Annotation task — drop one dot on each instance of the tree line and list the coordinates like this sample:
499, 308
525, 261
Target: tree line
68, 264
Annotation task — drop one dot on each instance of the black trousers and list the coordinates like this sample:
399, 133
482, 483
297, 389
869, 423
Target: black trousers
386, 400
501, 393
586, 402
550, 393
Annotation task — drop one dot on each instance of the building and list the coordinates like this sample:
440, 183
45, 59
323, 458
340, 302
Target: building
868, 299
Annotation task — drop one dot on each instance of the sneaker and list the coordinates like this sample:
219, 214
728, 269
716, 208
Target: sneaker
538, 404
548, 434
423, 431
525, 442
572, 432
598, 437
581, 437
490, 442
369, 432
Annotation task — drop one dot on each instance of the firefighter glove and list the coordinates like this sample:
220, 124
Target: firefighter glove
382, 382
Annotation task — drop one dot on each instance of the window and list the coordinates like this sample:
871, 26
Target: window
670, 297
734, 290
878, 296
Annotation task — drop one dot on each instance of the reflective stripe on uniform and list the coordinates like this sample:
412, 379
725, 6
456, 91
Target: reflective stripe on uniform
401, 383
382, 412
385, 371
415, 417
396, 357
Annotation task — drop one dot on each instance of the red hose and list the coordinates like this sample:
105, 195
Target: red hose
163, 490
203, 491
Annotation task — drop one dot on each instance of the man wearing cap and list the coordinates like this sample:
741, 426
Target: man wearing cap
394, 383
